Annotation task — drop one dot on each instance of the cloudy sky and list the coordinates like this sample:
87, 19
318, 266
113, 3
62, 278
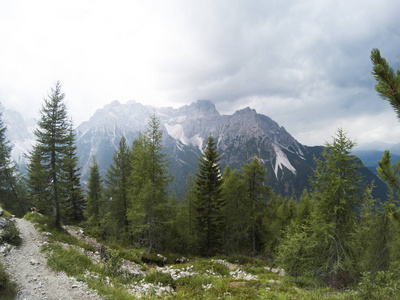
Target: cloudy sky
303, 63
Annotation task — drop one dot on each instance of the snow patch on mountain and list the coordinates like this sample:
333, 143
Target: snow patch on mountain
197, 141
176, 131
282, 161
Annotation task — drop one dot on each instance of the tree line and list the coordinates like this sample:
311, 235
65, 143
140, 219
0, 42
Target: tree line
335, 232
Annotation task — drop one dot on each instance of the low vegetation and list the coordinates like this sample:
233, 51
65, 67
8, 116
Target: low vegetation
221, 277
9, 235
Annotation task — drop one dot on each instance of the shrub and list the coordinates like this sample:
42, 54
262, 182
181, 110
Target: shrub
113, 264
10, 234
8, 289
384, 285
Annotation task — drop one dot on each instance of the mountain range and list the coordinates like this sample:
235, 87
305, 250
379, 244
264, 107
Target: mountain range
239, 137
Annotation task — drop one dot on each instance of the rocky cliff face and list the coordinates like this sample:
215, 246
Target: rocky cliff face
239, 137
20, 134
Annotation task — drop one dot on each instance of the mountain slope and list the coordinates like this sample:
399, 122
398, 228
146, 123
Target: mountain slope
239, 137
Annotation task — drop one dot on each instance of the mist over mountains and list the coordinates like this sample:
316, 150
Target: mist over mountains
239, 136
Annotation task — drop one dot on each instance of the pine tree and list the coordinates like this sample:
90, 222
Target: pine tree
74, 199
117, 177
257, 194
387, 80
388, 88
209, 204
52, 136
149, 183
8, 175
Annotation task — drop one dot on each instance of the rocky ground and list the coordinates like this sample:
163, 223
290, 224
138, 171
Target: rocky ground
27, 266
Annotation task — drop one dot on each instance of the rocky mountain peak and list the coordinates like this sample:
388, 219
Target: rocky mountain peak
200, 109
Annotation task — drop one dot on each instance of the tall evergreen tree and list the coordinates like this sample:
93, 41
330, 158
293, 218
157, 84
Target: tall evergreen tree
257, 194
8, 174
38, 182
74, 199
52, 136
388, 88
387, 80
209, 202
337, 194
237, 214
323, 246
149, 183
94, 199
116, 182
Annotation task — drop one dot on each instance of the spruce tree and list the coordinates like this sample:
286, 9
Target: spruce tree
116, 182
52, 136
209, 204
149, 183
38, 182
74, 199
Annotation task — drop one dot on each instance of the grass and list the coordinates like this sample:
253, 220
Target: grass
208, 279
8, 288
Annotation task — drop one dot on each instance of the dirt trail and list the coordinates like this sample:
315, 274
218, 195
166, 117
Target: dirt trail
27, 267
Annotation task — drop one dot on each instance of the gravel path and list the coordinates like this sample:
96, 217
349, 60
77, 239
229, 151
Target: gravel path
27, 267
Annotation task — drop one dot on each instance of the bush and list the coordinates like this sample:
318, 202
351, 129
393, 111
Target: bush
384, 285
10, 234
113, 264
8, 289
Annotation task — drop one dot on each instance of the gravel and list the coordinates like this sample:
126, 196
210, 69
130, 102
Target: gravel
27, 267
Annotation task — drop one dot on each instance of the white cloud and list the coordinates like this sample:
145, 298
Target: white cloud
304, 64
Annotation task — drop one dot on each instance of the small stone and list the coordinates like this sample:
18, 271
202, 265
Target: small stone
74, 286
33, 262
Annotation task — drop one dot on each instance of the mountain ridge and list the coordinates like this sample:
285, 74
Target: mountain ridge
239, 136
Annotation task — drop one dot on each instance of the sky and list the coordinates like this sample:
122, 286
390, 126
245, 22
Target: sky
305, 64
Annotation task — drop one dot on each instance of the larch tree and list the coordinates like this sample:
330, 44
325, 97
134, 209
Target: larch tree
237, 215
257, 194
52, 136
94, 198
323, 246
337, 193
209, 203
149, 183
116, 183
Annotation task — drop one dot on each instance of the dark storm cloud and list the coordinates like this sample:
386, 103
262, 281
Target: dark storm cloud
312, 56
